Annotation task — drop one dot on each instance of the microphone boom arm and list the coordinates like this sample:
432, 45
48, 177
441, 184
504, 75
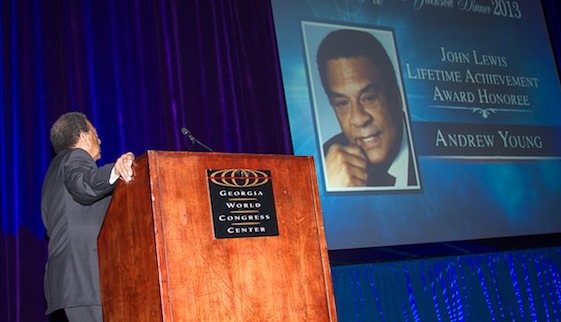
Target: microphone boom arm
194, 140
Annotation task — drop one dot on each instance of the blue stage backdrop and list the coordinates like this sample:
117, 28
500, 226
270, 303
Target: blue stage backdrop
141, 70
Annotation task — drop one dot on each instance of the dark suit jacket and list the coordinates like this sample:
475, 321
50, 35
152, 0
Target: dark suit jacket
74, 200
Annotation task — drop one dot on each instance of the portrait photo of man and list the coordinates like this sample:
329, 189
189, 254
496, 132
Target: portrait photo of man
369, 146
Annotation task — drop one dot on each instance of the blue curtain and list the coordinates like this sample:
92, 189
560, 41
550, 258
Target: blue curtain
141, 70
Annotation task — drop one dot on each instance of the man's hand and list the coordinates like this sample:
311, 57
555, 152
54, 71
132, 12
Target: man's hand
346, 166
123, 166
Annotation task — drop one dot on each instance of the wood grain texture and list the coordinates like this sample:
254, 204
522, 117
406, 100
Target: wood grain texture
160, 261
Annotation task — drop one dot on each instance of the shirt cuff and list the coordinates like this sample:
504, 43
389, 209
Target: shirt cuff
114, 177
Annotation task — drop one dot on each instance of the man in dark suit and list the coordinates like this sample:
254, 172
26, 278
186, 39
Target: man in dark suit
373, 148
74, 200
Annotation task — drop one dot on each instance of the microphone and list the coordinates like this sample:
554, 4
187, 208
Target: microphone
188, 134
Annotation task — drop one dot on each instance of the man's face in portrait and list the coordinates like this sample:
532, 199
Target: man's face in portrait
368, 112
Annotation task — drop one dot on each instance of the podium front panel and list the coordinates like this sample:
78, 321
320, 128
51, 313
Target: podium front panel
281, 277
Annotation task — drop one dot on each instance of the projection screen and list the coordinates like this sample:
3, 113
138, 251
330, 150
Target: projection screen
475, 148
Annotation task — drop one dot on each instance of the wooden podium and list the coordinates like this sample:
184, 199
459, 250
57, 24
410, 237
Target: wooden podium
161, 260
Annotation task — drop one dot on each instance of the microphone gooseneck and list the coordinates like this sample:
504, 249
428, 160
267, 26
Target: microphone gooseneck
194, 141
